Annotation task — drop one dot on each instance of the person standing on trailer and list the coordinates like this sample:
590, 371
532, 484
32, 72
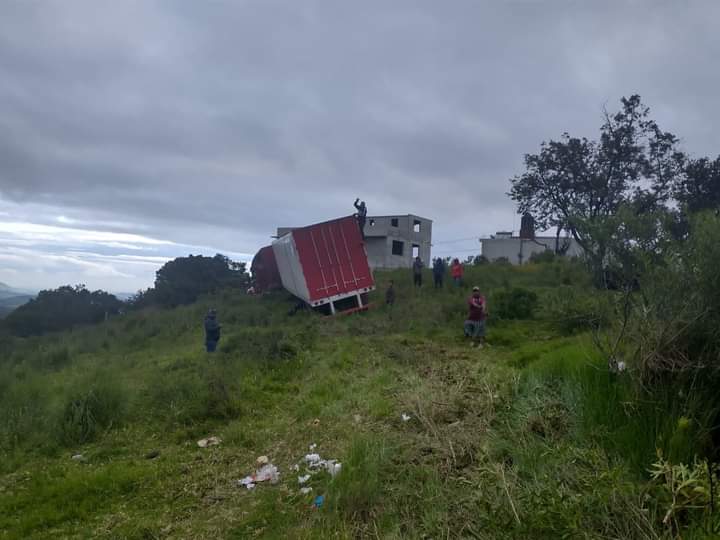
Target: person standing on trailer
438, 272
361, 215
417, 271
212, 331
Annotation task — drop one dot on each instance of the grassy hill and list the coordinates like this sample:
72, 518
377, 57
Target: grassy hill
530, 437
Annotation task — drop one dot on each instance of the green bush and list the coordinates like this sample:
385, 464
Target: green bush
541, 257
571, 311
87, 412
515, 303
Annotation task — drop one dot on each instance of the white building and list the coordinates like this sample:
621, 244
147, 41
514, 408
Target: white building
518, 250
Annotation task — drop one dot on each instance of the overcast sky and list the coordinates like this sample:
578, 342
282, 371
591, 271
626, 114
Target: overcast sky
135, 131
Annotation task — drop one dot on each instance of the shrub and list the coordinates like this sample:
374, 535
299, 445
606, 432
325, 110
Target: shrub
571, 311
515, 303
546, 256
501, 261
87, 412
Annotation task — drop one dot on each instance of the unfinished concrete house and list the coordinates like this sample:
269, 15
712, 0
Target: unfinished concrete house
394, 241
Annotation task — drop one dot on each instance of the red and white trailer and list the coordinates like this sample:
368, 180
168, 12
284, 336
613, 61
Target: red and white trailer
326, 265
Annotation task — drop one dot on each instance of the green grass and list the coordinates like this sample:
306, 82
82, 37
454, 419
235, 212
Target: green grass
528, 438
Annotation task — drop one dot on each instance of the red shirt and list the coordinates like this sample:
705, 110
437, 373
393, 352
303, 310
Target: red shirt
477, 308
456, 270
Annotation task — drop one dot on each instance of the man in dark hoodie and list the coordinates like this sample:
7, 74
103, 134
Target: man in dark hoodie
361, 215
212, 331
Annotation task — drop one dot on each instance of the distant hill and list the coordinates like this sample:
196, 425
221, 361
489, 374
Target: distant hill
11, 298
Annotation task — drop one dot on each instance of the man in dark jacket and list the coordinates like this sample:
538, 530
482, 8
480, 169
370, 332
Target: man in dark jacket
361, 215
212, 331
438, 272
417, 271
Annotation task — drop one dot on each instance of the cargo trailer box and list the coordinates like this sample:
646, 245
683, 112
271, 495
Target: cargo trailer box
326, 265
265, 274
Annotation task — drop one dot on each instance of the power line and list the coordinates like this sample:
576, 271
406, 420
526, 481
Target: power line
475, 250
457, 240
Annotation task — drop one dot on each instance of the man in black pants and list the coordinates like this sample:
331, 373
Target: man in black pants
438, 272
212, 331
361, 215
417, 271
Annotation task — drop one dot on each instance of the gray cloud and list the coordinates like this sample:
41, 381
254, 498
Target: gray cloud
211, 123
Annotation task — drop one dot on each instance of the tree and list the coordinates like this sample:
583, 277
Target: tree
699, 188
579, 184
60, 309
182, 280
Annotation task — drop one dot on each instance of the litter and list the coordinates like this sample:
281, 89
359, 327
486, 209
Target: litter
405, 417
303, 479
267, 472
313, 446
296, 467
319, 500
262, 460
78, 457
314, 461
334, 469
210, 441
316, 422
248, 482
305, 490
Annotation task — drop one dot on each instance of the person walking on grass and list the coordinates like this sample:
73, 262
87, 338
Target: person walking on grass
477, 314
212, 331
456, 271
417, 271
438, 272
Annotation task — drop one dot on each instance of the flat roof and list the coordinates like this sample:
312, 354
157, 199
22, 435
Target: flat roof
399, 216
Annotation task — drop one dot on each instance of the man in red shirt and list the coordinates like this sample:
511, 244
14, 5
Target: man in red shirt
475, 323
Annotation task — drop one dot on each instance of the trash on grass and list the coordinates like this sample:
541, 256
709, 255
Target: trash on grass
78, 457
316, 422
334, 468
315, 462
248, 482
210, 441
313, 446
305, 490
262, 460
267, 472
303, 479
319, 500
405, 417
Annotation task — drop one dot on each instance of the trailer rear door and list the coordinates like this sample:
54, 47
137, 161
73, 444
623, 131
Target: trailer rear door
333, 258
